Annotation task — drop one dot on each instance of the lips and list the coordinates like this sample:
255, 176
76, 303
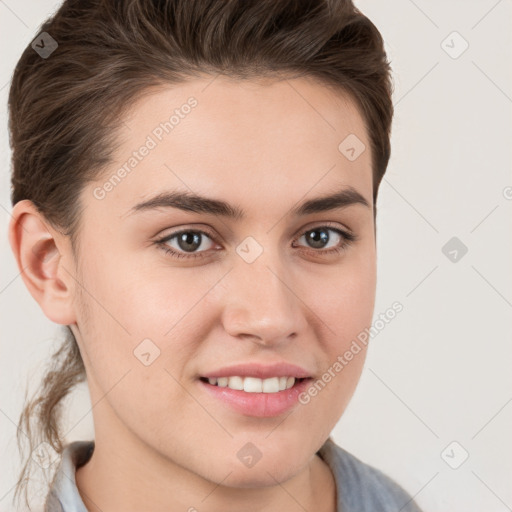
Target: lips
255, 404
256, 389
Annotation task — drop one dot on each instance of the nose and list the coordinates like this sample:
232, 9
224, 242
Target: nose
261, 305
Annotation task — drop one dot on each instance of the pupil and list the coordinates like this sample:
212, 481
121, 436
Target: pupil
189, 239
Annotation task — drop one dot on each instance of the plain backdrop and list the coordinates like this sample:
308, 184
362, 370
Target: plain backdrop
433, 407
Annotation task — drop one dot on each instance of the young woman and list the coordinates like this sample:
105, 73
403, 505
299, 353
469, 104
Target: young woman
194, 198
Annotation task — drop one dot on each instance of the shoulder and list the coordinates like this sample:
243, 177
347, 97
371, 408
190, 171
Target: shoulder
361, 487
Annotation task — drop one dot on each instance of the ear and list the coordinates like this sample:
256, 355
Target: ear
45, 261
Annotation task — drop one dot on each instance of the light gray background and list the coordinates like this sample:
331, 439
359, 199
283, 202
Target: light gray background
440, 371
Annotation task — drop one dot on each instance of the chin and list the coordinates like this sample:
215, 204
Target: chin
261, 475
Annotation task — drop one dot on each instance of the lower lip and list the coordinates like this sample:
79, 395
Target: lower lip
261, 405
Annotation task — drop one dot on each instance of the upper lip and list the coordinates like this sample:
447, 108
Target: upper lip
262, 371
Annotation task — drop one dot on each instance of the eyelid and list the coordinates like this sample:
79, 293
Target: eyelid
323, 224
185, 229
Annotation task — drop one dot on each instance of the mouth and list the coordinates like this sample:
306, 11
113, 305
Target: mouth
254, 397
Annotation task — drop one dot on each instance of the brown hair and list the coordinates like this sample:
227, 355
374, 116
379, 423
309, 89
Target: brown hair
64, 108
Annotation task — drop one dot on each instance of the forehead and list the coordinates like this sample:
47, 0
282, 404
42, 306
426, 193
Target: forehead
258, 140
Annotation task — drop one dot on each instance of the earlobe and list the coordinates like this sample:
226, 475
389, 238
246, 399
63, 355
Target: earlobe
39, 251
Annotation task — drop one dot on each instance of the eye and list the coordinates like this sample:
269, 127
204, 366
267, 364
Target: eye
192, 243
318, 238
188, 241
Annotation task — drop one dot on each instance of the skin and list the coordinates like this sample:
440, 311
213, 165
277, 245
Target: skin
162, 443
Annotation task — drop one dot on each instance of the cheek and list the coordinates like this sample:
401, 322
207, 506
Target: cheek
143, 300
344, 297
133, 348
345, 305
153, 315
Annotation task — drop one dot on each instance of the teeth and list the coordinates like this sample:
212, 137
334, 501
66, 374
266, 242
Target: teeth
271, 385
236, 383
253, 384
222, 382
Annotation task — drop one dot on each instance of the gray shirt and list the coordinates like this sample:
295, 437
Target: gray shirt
360, 487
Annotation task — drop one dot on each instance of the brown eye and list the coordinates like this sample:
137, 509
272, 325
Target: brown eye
186, 243
319, 238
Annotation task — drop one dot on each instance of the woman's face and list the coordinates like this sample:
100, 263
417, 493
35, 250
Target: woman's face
255, 279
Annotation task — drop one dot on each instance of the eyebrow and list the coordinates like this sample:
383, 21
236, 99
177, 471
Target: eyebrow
194, 203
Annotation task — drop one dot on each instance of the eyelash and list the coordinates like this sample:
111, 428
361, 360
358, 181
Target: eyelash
348, 237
